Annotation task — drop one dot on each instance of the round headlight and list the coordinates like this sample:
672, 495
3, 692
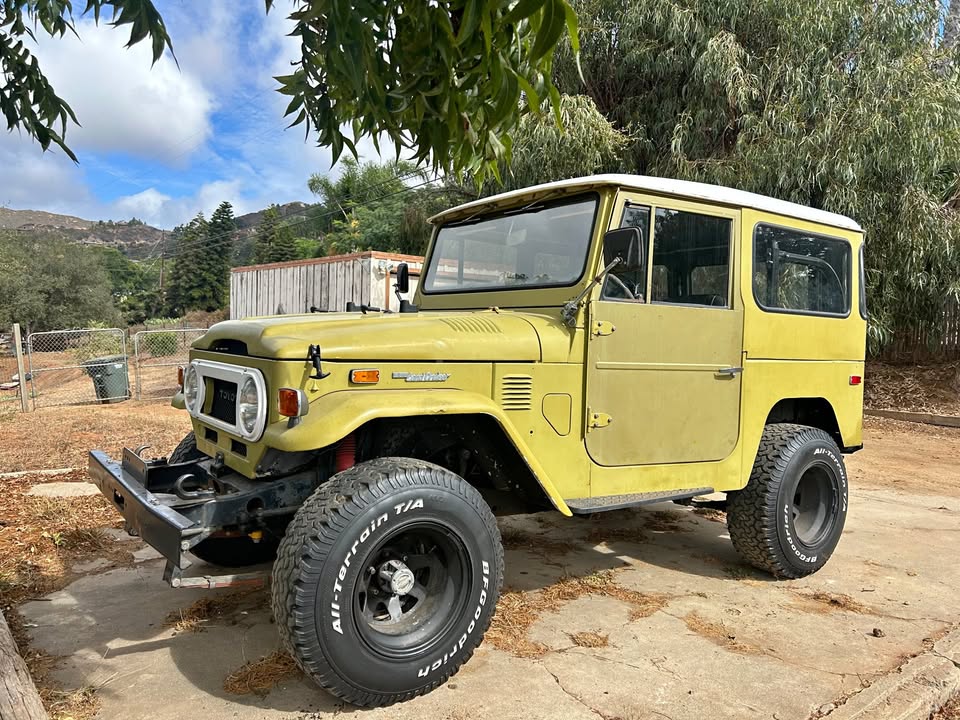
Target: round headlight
191, 388
248, 405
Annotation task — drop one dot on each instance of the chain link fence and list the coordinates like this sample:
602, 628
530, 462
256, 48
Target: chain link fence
157, 354
76, 367
92, 365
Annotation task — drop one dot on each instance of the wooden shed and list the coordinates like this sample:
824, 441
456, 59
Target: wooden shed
326, 283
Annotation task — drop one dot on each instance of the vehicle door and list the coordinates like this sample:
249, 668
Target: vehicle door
665, 348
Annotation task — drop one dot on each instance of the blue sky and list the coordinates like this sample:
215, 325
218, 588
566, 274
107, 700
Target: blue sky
163, 143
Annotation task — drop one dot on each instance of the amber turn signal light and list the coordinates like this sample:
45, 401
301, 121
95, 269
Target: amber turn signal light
292, 402
180, 377
364, 377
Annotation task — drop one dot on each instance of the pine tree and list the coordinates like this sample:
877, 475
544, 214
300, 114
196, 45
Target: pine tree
198, 280
275, 241
218, 250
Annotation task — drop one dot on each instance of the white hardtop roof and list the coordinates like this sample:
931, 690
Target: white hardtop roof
662, 186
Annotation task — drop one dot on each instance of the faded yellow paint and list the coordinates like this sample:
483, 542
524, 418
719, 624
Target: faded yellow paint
676, 422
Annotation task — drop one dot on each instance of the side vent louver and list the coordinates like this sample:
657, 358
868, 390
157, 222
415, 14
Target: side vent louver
516, 392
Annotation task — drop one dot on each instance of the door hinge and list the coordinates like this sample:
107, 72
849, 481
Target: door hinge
603, 327
597, 420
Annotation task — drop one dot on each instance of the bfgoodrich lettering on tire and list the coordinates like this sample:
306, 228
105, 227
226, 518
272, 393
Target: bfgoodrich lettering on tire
387, 579
789, 517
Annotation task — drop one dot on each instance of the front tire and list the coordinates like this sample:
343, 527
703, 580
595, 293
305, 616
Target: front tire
789, 518
387, 579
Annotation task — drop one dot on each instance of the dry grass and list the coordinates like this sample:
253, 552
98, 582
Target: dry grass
60, 437
718, 634
819, 601
260, 677
516, 539
666, 521
925, 388
950, 711
590, 639
209, 608
41, 537
79, 704
601, 534
518, 611
711, 514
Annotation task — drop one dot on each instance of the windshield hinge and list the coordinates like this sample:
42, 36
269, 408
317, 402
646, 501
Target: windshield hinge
597, 420
603, 327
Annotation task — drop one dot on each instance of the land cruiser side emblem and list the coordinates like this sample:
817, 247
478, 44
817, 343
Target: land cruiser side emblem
421, 377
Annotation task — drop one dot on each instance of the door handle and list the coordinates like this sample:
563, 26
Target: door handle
729, 371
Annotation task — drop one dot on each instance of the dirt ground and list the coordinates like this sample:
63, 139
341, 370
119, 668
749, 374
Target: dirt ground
619, 617
60, 437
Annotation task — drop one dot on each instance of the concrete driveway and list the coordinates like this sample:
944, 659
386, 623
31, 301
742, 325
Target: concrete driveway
703, 636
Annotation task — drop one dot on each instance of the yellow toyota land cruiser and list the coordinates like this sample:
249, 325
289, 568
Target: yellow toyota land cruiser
581, 346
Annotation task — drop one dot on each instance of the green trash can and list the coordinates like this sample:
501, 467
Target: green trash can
109, 375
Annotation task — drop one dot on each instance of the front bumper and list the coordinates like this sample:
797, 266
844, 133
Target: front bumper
173, 507
147, 514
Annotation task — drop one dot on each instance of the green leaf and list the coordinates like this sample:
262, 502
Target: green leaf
470, 20
522, 10
551, 29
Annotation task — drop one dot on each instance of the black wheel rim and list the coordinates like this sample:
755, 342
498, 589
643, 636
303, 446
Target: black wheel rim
814, 504
411, 590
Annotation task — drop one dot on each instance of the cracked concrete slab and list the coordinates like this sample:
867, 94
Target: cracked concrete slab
728, 642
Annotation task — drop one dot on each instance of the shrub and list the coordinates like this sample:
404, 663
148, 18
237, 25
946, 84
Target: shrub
160, 344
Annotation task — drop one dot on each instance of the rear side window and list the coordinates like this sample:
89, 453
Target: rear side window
796, 271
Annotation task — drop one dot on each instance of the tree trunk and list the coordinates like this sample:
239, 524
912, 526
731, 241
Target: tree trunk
19, 699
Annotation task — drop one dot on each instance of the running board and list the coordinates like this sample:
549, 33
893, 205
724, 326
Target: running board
586, 506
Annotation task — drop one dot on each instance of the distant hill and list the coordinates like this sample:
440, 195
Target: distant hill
10, 219
133, 238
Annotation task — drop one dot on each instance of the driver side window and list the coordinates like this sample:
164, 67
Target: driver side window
629, 284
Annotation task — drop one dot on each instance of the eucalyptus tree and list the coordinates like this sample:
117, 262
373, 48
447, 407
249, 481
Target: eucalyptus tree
846, 106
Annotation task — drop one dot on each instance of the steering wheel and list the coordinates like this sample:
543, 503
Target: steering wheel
618, 281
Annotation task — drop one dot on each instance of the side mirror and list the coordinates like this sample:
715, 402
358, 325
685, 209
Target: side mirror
623, 243
403, 278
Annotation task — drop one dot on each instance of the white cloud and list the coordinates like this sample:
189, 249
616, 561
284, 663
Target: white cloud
216, 121
123, 103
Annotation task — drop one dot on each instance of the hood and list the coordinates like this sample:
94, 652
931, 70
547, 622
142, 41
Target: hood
467, 336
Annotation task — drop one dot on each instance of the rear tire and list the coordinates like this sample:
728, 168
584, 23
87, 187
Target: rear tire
789, 518
387, 579
228, 552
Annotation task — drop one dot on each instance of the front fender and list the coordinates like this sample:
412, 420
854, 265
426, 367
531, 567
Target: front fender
337, 414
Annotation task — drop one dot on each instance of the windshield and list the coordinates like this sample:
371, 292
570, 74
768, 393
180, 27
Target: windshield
539, 245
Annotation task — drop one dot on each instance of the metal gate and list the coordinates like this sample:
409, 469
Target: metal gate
75, 367
157, 354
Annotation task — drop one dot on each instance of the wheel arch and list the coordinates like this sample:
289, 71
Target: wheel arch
500, 470
815, 412
334, 416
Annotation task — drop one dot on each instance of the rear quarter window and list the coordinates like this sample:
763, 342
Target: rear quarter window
800, 272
